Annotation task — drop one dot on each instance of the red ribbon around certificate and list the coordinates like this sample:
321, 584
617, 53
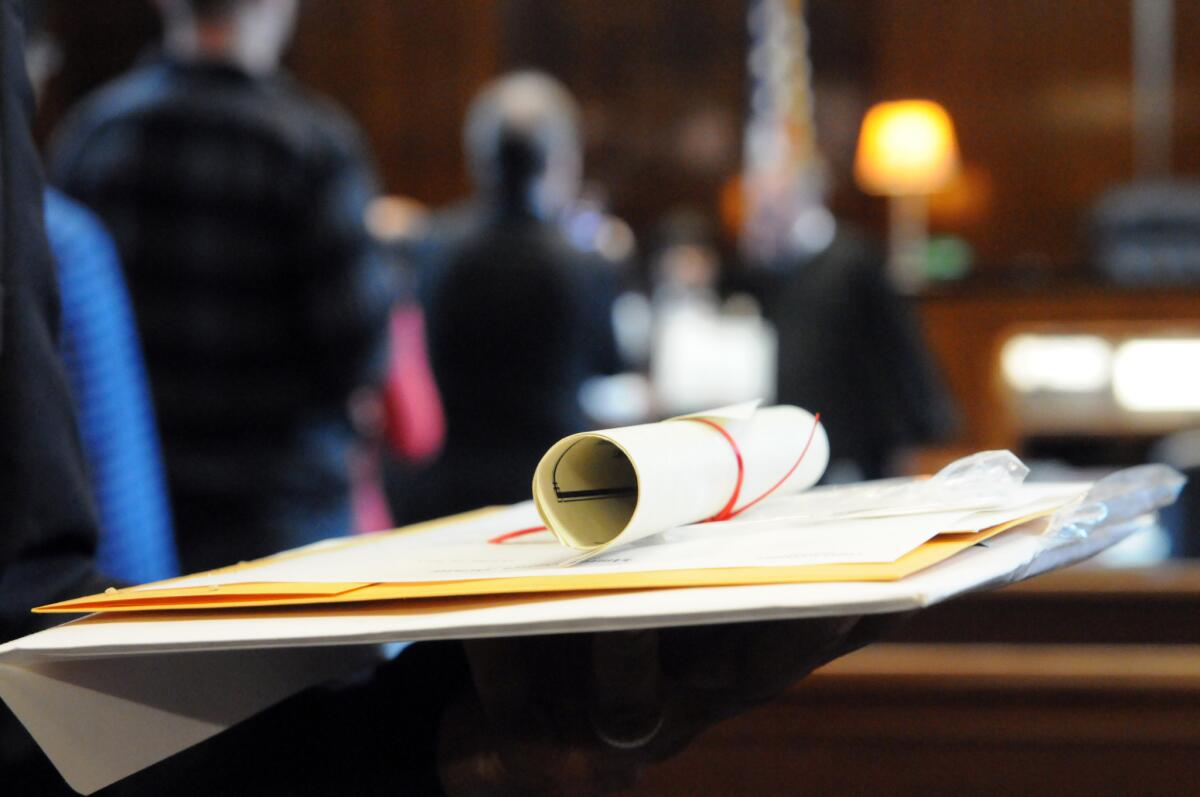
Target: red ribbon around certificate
727, 512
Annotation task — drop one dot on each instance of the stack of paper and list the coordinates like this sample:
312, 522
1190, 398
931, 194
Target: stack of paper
164, 666
792, 541
113, 693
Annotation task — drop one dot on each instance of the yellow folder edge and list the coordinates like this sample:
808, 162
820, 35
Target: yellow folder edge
159, 591
257, 594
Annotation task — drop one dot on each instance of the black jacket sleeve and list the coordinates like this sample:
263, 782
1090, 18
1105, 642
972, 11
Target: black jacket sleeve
47, 524
47, 528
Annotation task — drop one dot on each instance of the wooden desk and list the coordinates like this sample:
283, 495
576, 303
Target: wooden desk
1157, 605
1079, 682
977, 720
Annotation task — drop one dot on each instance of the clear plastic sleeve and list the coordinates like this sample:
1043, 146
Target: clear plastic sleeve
1117, 498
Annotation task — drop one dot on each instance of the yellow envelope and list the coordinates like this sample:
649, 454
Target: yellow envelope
258, 594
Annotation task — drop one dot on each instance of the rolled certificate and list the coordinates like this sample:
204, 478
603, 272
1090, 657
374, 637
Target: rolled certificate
597, 489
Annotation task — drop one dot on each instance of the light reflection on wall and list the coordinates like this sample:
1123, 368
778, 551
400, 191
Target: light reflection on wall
1158, 375
1058, 363
1080, 374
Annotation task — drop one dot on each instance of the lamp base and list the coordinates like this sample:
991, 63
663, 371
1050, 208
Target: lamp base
908, 243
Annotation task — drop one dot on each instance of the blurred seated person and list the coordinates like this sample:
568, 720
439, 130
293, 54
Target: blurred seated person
517, 316
104, 369
850, 349
238, 206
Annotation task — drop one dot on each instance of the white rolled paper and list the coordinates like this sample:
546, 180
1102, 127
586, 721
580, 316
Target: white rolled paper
614, 486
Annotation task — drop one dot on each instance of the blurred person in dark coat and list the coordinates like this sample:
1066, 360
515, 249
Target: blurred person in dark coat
518, 317
237, 202
851, 349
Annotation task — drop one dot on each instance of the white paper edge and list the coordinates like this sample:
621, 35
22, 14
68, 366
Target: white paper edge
102, 711
733, 412
99, 720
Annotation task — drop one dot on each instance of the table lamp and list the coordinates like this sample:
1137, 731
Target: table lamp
906, 150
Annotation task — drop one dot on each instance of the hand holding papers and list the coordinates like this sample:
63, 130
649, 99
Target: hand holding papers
619, 485
578, 714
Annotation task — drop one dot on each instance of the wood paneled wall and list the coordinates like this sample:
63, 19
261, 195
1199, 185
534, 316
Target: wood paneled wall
662, 90
1040, 92
406, 71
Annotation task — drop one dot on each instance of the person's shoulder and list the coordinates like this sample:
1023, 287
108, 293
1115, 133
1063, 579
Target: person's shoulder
121, 99
851, 260
545, 245
452, 228
273, 108
852, 244
580, 258
324, 126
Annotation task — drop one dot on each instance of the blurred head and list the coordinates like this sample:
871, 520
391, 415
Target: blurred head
250, 33
522, 144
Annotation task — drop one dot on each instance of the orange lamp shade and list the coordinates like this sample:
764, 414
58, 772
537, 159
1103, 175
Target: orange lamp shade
906, 147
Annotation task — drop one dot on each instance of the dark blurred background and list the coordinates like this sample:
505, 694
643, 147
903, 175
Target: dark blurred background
1040, 94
